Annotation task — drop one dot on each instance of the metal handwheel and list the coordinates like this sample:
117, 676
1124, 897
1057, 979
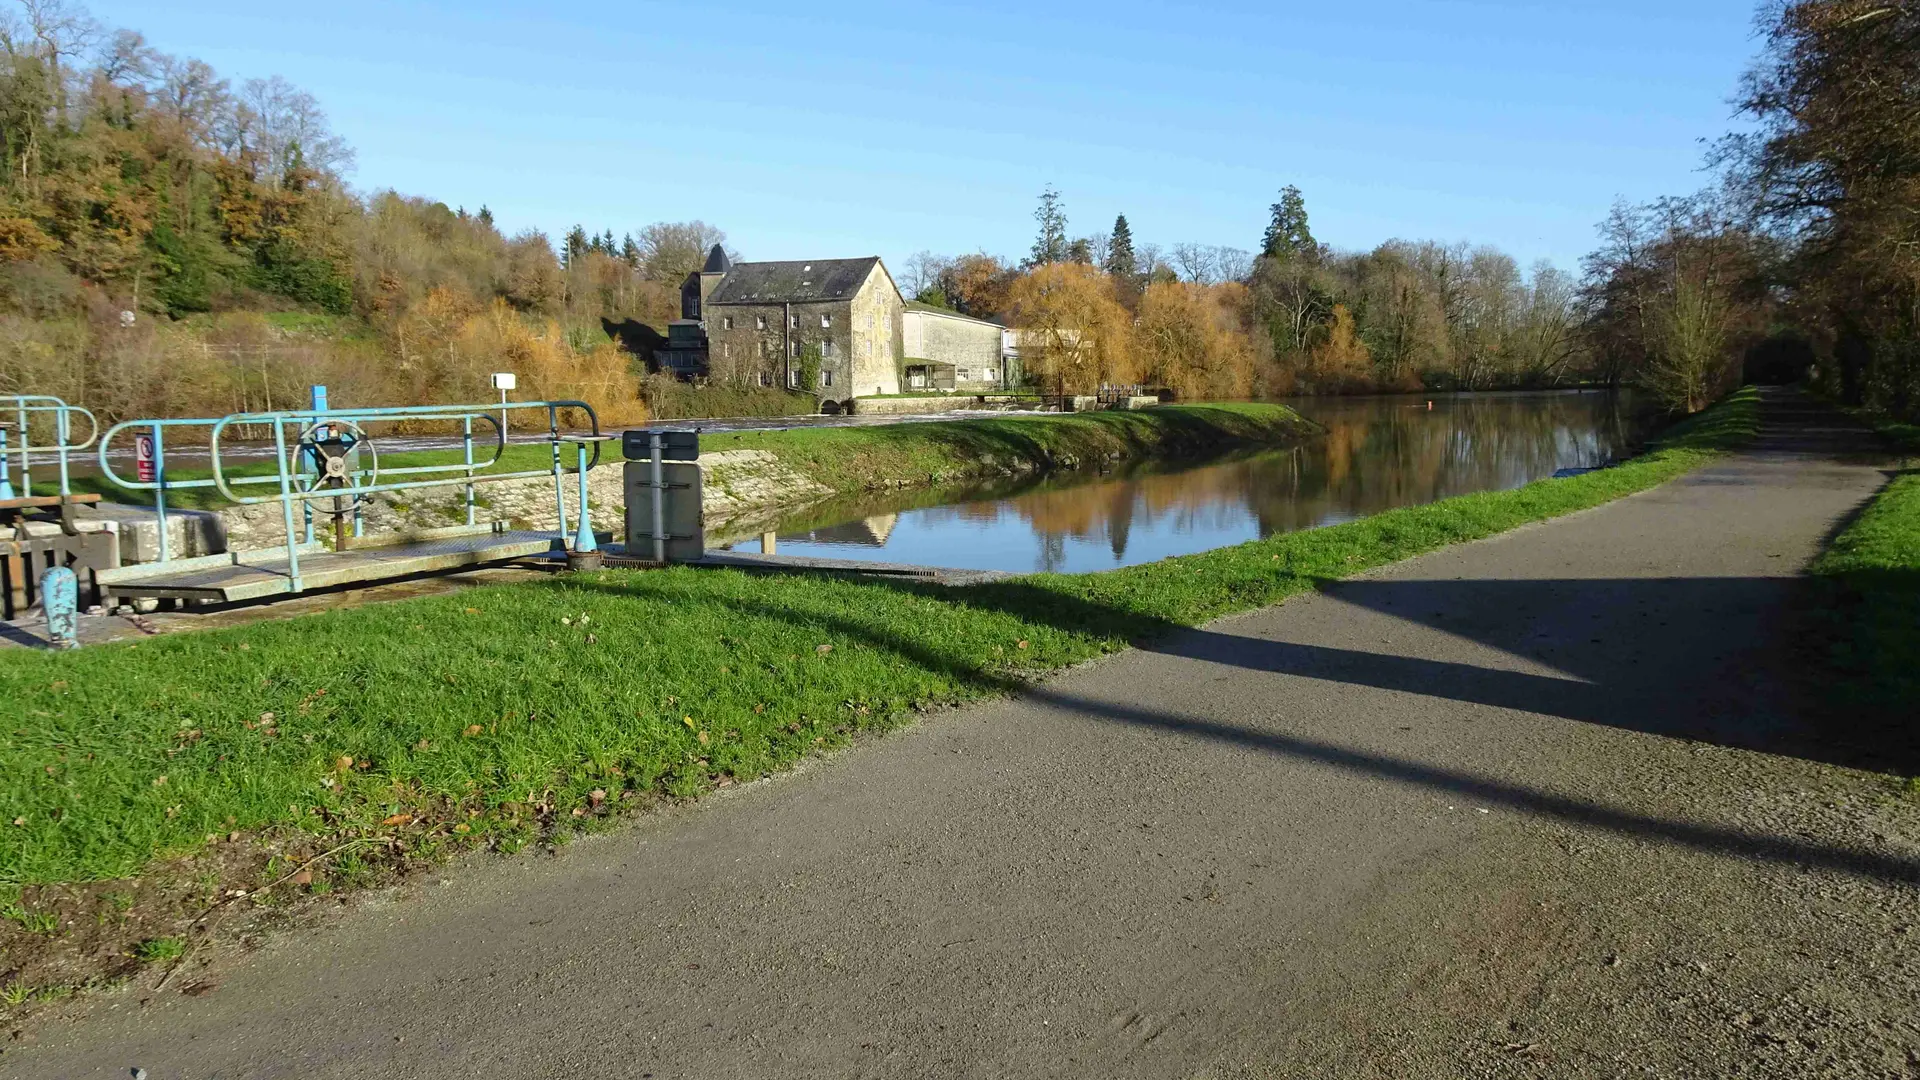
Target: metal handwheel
336, 446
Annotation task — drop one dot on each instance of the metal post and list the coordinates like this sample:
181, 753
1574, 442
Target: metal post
60, 599
659, 484
312, 457
26, 459
286, 503
466, 443
559, 486
6, 482
583, 540
60, 433
503, 416
160, 486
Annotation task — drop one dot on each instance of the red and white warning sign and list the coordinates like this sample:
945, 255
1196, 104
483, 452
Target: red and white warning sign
143, 458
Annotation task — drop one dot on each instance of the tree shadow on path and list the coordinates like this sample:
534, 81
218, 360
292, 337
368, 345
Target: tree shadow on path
1547, 695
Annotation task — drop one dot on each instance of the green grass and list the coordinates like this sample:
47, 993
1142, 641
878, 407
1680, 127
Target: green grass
1903, 436
161, 949
850, 459
1873, 628
509, 712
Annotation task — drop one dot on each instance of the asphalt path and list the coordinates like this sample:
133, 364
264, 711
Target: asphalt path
1492, 811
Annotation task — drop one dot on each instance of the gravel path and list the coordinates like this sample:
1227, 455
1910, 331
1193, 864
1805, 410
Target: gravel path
1545, 805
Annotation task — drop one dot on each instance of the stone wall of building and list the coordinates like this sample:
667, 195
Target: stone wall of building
878, 336
744, 351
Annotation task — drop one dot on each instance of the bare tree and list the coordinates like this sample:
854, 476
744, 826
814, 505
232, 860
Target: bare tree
1548, 334
1150, 261
922, 271
1097, 246
670, 250
1232, 264
278, 121
53, 31
193, 96
126, 58
1195, 262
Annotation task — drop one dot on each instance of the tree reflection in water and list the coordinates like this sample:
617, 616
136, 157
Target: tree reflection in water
1378, 453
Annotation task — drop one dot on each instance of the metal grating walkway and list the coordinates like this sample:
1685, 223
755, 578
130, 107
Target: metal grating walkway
257, 574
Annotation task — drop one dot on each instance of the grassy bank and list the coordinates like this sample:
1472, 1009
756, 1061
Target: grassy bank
849, 459
314, 752
1871, 623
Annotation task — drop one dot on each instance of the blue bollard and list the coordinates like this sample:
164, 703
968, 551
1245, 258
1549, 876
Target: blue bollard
583, 540
6, 481
60, 598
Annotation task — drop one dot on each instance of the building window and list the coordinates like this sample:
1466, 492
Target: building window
796, 350
793, 322
765, 379
826, 377
759, 322
826, 322
726, 350
826, 347
793, 379
726, 322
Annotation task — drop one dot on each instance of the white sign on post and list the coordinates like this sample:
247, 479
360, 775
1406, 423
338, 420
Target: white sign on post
143, 458
503, 381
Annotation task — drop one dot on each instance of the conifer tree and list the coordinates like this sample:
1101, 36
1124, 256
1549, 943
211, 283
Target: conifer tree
1051, 245
1121, 263
1288, 236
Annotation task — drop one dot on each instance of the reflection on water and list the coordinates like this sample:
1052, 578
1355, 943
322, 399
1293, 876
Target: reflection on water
1378, 453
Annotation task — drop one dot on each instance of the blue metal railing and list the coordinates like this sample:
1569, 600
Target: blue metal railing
23, 410
305, 471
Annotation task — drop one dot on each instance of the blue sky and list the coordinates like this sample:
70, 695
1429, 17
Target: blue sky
813, 130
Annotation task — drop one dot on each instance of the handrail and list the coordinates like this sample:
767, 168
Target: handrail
107, 470
24, 408
297, 475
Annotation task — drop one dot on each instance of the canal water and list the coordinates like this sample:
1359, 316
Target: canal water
1378, 453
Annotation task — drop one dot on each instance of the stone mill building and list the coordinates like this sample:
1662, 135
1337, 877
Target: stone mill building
752, 322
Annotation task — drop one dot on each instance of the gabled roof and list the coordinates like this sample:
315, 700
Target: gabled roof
717, 262
793, 282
